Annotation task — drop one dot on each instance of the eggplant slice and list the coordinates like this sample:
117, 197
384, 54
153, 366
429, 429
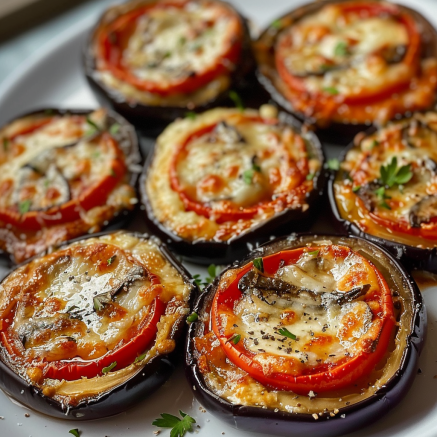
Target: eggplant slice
351, 412
73, 281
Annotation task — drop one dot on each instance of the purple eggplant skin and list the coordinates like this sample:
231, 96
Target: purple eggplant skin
410, 256
152, 119
337, 133
208, 252
356, 416
130, 147
135, 390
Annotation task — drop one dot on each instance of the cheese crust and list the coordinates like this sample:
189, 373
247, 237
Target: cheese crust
60, 309
403, 212
50, 162
227, 161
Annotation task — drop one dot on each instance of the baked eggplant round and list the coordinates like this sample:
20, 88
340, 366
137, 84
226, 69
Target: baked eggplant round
64, 173
309, 335
349, 61
90, 329
228, 178
386, 189
157, 59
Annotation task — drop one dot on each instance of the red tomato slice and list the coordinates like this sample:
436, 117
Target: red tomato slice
319, 378
229, 212
113, 38
411, 58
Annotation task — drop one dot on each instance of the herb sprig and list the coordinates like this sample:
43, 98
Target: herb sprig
286, 333
391, 175
178, 426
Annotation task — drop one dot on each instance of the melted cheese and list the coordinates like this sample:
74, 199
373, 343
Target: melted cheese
240, 162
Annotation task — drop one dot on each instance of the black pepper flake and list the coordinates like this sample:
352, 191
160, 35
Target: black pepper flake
289, 350
256, 342
70, 278
250, 332
261, 350
235, 325
265, 337
262, 332
332, 355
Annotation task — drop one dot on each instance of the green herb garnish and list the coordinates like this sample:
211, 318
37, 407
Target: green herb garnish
314, 252
331, 90
391, 174
276, 24
93, 126
375, 143
286, 333
114, 129
140, 357
111, 260
258, 264
333, 164
5, 144
341, 49
192, 317
197, 280
113, 174
109, 368
356, 189
236, 338
380, 192
24, 206
191, 115
310, 176
182, 40
237, 100
98, 305
248, 176
212, 272
178, 426
75, 432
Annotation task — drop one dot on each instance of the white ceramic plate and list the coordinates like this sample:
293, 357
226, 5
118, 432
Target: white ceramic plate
53, 77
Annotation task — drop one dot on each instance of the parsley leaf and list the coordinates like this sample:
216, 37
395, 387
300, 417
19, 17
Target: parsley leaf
331, 90
212, 272
258, 264
380, 192
178, 426
197, 280
341, 49
191, 115
24, 206
111, 260
109, 368
333, 164
140, 357
286, 333
249, 174
114, 128
75, 432
93, 126
314, 252
237, 100
310, 176
236, 338
192, 317
390, 174
356, 189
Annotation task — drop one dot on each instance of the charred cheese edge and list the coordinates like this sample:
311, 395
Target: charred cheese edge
54, 164
70, 285
363, 163
231, 160
171, 43
234, 385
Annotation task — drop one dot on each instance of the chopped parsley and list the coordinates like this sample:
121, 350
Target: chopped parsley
310, 176
191, 115
5, 144
390, 174
111, 260
213, 271
109, 368
375, 143
249, 174
140, 357
237, 100
192, 317
98, 304
380, 192
341, 49
93, 126
197, 280
24, 206
333, 164
286, 333
75, 432
114, 129
236, 338
331, 90
258, 264
356, 189
178, 426
276, 24
314, 252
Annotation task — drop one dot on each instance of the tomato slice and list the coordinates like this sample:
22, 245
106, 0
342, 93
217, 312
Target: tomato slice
229, 211
326, 99
113, 38
280, 371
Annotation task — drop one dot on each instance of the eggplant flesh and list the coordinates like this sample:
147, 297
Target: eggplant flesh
140, 380
353, 412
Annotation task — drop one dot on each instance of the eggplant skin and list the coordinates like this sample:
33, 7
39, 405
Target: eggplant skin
410, 256
338, 133
144, 383
350, 418
147, 117
224, 252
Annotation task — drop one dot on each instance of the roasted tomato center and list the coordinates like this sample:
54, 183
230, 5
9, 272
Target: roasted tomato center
54, 167
315, 318
171, 47
238, 167
392, 181
84, 308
